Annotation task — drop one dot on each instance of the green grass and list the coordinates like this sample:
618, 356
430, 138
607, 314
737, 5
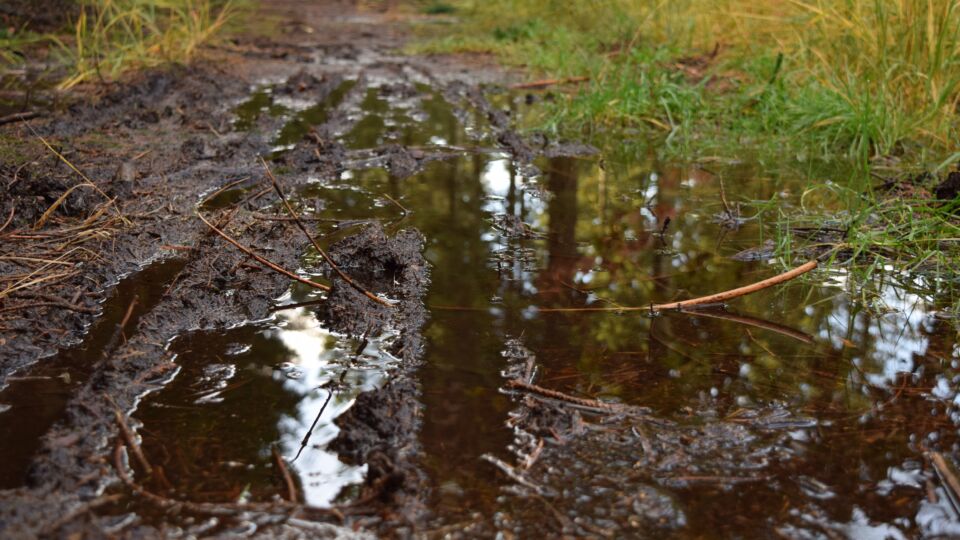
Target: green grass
899, 235
13, 43
111, 37
857, 78
114, 36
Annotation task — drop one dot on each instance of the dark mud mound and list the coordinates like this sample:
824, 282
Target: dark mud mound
949, 188
392, 267
381, 428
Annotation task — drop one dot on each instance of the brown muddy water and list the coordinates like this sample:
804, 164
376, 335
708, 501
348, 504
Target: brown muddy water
794, 411
31, 404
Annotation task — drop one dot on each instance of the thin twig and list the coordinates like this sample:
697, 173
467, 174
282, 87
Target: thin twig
261, 260
13, 211
285, 473
543, 83
18, 117
702, 301
112, 202
400, 206
316, 245
723, 199
51, 303
127, 315
129, 437
264, 217
306, 438
222, 189
741, 291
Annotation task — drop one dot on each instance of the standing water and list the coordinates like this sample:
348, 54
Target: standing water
793, 411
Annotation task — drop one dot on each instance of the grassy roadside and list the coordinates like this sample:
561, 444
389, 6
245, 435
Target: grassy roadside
106, 38
870, 82
859, 78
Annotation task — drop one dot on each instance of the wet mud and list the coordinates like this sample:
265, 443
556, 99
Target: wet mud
467, 380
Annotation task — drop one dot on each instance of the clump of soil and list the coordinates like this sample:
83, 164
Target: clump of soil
381, 428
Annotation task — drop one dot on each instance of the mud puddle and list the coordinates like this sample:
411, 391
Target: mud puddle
794, 408
30, 404
794, 411
279, 382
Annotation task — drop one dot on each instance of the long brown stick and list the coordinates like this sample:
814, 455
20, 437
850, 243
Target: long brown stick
131, 441
704, 300
261, 260
316, 245
548, 82
741, 291
947, 476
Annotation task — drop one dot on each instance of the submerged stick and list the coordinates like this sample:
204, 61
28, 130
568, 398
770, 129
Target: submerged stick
129, 437
573, 400
131, 441
261, 260
316, 245
285, 472
712, 299
306, 438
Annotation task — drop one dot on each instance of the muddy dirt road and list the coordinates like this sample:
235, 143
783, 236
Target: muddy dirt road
105, 262
157, 381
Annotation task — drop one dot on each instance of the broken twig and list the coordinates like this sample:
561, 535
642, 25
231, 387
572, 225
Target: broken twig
129, 437
316, 245
306, 438
261, 260
18, 117
514, 474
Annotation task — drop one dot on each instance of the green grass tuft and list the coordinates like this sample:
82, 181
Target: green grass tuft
859, 78
113, 36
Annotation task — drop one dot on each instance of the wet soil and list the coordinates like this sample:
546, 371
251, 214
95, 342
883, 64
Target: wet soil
158, 382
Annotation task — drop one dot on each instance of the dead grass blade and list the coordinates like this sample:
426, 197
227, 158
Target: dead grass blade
85, 178
56, 204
